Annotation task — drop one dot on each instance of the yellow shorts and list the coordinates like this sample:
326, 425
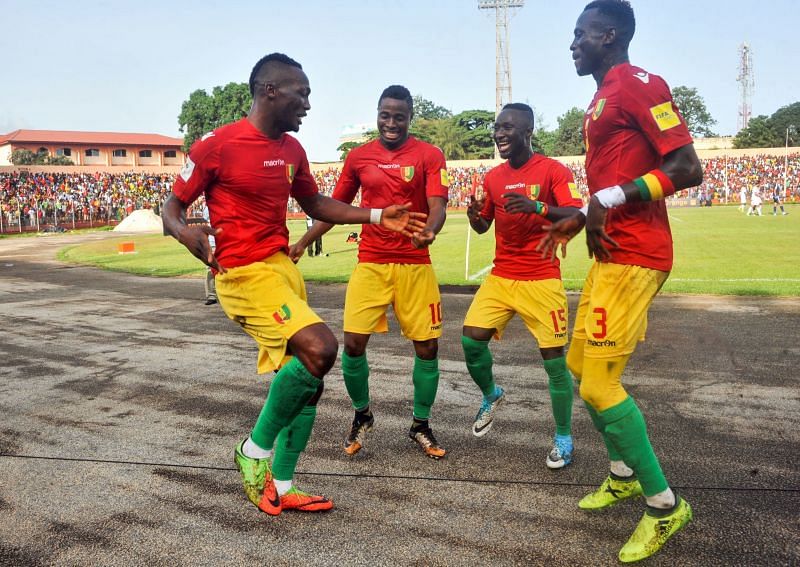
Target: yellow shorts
542, 304
612, 312
268, 299
411, 290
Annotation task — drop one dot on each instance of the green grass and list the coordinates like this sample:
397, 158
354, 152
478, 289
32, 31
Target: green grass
718, 250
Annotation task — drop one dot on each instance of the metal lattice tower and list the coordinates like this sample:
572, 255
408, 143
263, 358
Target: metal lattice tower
746, 84
503, 59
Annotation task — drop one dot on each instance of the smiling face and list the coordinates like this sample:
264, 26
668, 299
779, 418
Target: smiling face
589, 44
512, 134
291, 92
394, 117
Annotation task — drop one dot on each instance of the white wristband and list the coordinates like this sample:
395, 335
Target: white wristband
375, 216
611, 197
585, 210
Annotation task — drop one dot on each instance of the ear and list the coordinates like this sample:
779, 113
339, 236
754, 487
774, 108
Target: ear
610, 37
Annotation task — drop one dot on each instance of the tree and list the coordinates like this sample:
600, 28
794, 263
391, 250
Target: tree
787, 118
477, 128
543, 141
569, 134
425, 109
23, 157
202, 112
693, 109
345, 147
758, 134
450, 138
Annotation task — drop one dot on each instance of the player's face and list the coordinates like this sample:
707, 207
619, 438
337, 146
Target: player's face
394, 117
587, 46
291, 99
512, 133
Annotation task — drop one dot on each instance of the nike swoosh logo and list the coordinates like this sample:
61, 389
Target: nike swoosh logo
479, 429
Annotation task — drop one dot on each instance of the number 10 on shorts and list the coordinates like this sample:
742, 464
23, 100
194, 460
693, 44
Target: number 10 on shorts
436, 313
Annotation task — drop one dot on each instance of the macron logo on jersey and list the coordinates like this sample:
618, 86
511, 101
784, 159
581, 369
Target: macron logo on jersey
206, 136
274, 163
642, 76
516, 186
389, 165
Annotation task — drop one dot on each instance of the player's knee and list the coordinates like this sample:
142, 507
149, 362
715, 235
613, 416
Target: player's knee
426, 350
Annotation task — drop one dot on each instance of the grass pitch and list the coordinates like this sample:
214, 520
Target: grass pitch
718, 250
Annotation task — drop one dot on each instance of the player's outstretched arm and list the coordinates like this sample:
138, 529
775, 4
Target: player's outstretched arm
681, 169
297, 249
397, 218
559, 234
193, 237
437, 207
476, 221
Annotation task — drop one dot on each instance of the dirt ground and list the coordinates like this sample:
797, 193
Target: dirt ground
122, 397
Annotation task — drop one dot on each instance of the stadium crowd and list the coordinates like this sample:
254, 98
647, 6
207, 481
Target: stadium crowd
36, 199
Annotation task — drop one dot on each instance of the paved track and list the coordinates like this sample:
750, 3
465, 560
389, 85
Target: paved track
121, 399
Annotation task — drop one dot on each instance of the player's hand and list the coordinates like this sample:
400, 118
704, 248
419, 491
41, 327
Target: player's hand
475, 207
596, 237
423, 239
296, 252
398, 218
559, 234
195, 239
516, 203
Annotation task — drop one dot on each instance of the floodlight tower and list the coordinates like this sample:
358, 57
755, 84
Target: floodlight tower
746, 84
503, 60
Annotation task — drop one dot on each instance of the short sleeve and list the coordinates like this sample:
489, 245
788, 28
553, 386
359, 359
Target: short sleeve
649, 102
304, 184
348, 183
437, 181
200, 169
488, 207
562, 185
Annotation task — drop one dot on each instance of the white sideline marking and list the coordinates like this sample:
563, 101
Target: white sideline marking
674, 218
476, 275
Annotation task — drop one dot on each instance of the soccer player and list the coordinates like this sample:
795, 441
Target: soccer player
522, 194
247, 171
776, 200
392, 270
638, 151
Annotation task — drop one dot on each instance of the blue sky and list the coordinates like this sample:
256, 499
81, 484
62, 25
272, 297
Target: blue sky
114, 66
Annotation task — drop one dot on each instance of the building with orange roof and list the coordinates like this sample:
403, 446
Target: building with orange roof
96, 149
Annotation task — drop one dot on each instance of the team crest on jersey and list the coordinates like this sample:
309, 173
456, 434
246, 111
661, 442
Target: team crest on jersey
290, 172
598, 108
534, 190
445, 178
573, 191
407, 171
664, 116
283, 315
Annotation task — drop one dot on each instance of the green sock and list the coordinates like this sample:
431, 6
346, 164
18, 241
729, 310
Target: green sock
560, 384
627, 431
292, 441
356, 379
291, 388
426, 382
479, 363
613, 454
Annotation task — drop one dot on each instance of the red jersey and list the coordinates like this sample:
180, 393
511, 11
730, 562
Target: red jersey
410, 174
247, 179
517, 235
630, 125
